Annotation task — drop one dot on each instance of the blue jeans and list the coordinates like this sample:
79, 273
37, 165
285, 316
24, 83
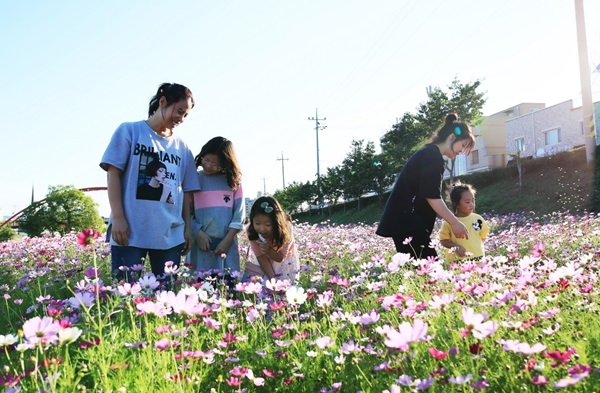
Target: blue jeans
129, 256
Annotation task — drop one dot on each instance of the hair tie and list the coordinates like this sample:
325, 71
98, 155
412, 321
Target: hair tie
457, 130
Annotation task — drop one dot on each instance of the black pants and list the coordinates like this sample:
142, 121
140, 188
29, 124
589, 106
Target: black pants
418, 247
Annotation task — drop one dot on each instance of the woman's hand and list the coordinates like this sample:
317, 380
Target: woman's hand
120, 231
460, 230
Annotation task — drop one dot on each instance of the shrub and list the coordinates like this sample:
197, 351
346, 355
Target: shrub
7, 233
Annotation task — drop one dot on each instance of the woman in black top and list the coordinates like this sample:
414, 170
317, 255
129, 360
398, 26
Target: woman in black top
410, 211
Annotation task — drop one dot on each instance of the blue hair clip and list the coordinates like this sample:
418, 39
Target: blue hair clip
457, 130
266, 207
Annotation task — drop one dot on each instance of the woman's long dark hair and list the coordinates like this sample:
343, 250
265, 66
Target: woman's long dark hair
172, 92
453, 126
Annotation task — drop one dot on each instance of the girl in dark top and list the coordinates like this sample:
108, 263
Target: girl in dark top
410, 211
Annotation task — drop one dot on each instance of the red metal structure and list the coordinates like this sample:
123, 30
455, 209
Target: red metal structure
16, 215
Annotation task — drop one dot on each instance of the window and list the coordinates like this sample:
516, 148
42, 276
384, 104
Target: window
552, 137
520, 144
475, 157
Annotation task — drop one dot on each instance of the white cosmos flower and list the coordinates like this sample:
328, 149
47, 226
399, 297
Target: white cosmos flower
295, 295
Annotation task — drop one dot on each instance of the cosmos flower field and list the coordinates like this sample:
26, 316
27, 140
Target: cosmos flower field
360, 318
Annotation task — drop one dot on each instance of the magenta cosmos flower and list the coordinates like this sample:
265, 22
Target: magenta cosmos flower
87, 236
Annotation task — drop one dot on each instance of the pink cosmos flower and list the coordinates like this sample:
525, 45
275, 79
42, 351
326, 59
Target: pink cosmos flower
393, 389
165, 343
324, 299
419, 384
183, 304
212, 323
438, 302
569, 380
539, 380
519, 347
249, 288
238, 371
252, 315
538, 250
41, 330
350, 347
406, 334
234, 381
370, 318
153, 309
324, 342
436, 353
128, 289
257, 381
148, 282
476, 325
171, 268
460, 380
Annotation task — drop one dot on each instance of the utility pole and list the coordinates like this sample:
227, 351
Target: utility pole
282, 170
317, 126
586, 85
264, 186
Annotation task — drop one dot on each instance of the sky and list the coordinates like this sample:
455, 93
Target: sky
72, 71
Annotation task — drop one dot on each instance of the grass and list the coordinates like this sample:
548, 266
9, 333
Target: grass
559, 183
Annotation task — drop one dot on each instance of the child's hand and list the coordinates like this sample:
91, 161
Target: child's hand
460, 251
203, 241
264, 246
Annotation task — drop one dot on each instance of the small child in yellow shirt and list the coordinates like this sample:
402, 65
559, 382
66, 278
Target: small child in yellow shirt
462, 198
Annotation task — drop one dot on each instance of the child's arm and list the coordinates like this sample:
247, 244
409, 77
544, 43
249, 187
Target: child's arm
446, 240
224, 244
276, 256
266, 266
458, 228
186, 214
120, 227
458, 249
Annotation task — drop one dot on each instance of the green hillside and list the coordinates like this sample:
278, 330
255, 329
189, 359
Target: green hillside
556, 183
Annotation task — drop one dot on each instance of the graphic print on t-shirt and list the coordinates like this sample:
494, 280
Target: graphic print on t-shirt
153, 178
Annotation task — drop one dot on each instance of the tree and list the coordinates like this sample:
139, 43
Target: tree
295, 195
358, 169
7, 233
331, 186
65, 209
383, 176
412, 131
398, 144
